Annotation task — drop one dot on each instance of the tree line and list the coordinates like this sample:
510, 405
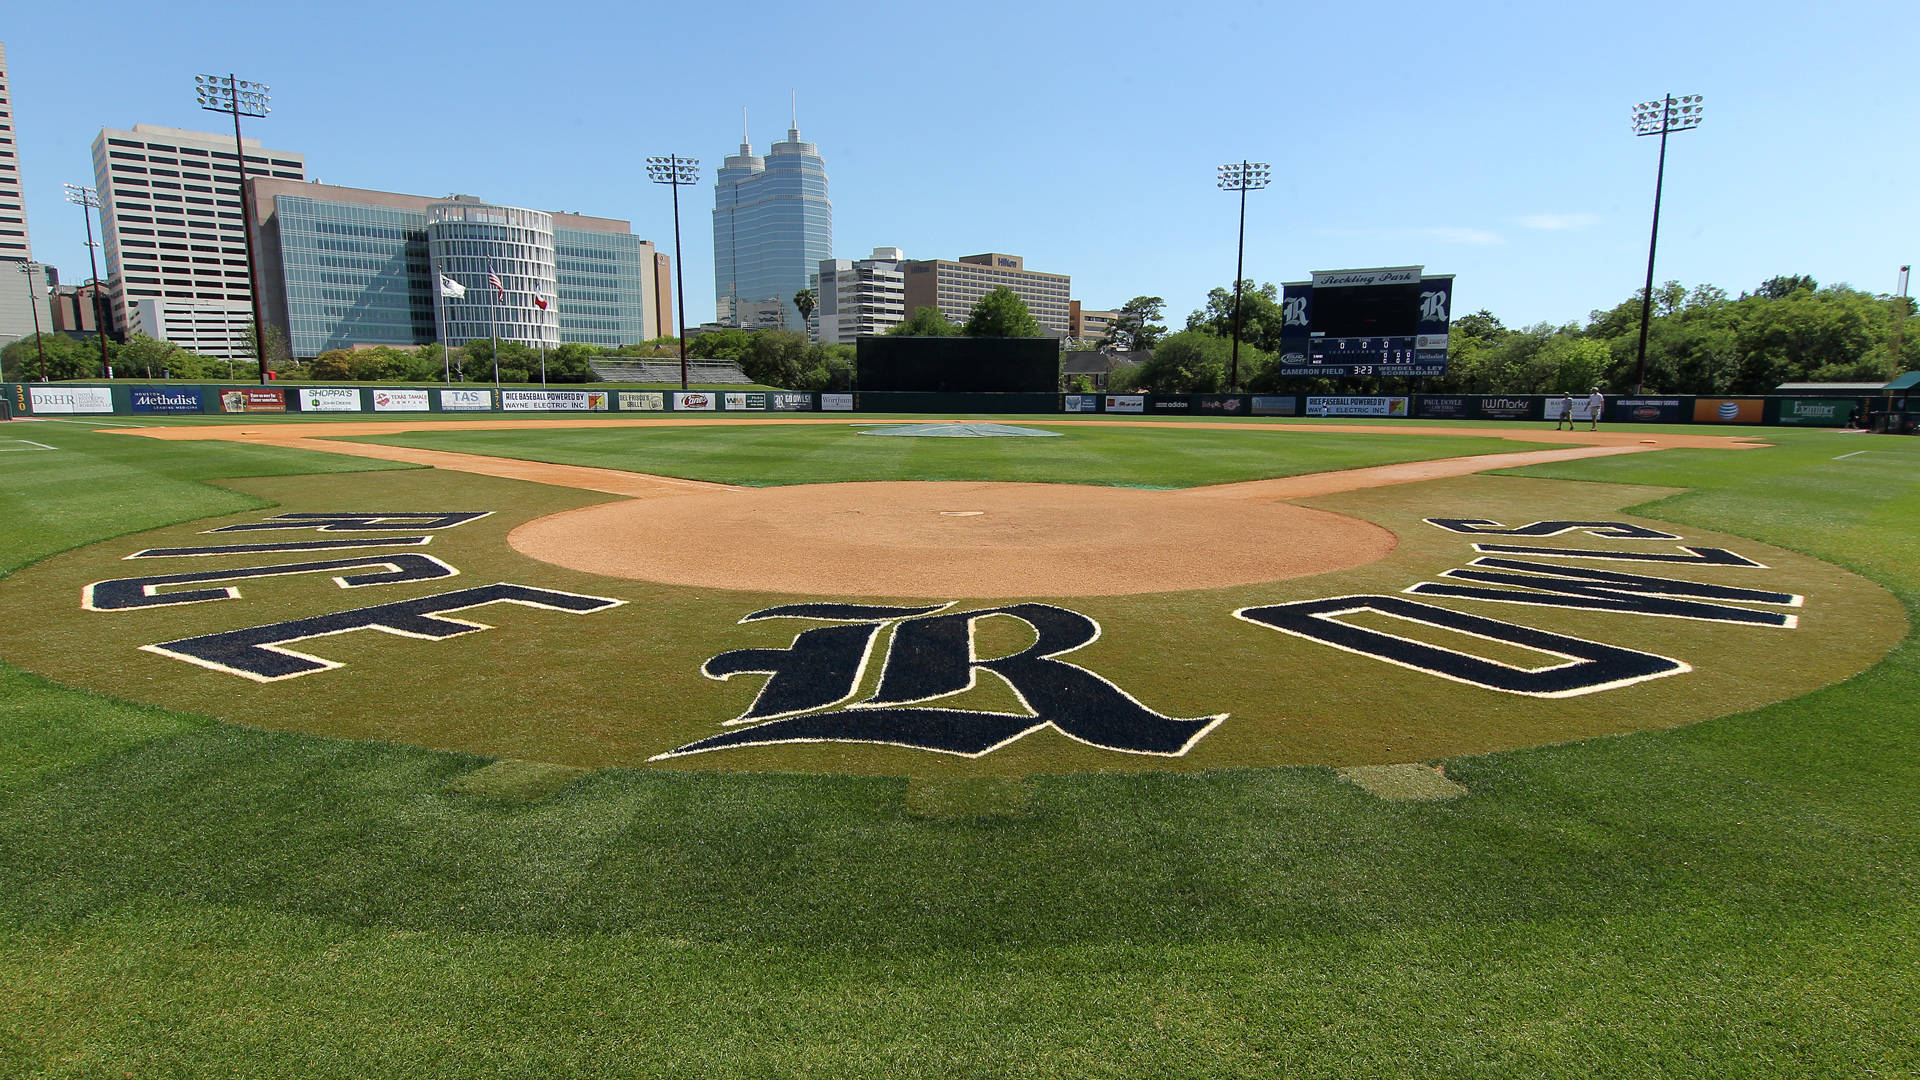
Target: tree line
1700, 341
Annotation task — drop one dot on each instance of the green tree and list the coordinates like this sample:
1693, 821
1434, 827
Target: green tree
1133, 328
571, 362
926, 322
1261, 315
806, 300
776, 358
729, 344
1189, 362
148, 357
1001, 313
66, 358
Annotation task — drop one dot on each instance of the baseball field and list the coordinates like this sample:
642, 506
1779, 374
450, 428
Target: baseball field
720, 747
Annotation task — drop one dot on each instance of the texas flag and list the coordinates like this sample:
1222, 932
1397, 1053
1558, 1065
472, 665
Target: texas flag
540, 302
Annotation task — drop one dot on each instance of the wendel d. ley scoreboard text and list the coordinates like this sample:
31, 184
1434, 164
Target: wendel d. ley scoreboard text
1389, 320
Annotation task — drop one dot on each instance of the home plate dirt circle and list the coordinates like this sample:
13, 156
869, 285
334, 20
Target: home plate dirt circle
951, 540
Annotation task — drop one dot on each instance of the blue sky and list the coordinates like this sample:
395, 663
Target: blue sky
1487, 141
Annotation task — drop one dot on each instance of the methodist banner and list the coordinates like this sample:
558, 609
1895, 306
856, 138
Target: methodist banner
1126, 403
330, 399
1815, 412
1356, 406
168, 400
794, 402
399, 401
1442, 408
253, 399
1648, 410
1507, 408
71, 399
736, 400
1079, 403
1284, 405
1713, 410
696, 400
553, 400
836, 402
466, 401
642, 401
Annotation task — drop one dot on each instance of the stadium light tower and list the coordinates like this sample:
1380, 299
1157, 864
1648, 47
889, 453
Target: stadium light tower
676, 171
1658, 118
87, 199
39, 342
227, 94
1242, 177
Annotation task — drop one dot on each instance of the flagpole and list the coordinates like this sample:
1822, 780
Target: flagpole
440, 316
493, 326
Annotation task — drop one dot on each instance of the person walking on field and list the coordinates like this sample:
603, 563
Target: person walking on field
1594, 405
1566, 412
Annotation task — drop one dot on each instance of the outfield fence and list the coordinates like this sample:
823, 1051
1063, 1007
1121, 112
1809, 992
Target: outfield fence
185, 399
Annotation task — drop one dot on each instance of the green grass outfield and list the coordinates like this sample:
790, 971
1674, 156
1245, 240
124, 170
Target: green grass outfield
186, 898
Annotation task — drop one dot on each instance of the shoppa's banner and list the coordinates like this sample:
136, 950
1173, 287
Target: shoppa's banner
330, 399
70, 399
157, 399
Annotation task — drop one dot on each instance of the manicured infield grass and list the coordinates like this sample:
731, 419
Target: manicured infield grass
1735, 898
761, 456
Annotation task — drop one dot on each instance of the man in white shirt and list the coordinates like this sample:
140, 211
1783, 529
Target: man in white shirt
1595, 404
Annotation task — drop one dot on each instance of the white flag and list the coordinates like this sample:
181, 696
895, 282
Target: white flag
451, 288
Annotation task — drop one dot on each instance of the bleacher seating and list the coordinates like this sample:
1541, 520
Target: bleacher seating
700, 372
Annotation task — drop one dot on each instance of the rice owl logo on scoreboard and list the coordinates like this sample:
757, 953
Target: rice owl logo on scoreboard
1389, 320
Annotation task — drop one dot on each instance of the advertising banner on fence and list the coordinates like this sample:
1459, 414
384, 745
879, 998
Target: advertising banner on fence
1647, 410
836, 402
794, 402
152, 399
1126, 403
71, 399
1222, 404
1816, 412
399, 401
1507, 408
252, 399
1713, 410
696, 400
1356, 406
1442, 408
642, 401
1557, 404
1166, 403
466, 400
553, 400
1282, 405
1079, 403
330, 399
739, 399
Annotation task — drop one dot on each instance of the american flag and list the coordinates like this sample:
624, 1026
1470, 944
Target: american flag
493, 279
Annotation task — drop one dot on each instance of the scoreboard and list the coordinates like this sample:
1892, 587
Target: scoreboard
1389, 320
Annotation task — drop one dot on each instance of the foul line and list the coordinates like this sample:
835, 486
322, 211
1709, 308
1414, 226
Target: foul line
29, 442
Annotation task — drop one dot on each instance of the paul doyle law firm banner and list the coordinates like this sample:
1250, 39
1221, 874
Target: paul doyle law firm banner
71, 399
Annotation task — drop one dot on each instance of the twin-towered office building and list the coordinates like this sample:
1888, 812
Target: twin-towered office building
772, 226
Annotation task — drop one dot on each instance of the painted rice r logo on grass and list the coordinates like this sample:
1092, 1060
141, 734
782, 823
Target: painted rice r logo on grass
934, 657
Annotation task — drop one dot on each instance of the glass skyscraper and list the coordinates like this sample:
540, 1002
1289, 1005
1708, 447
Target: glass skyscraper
772, 226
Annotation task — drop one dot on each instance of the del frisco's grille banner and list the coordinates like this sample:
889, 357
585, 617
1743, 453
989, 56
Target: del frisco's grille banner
330, 399
553, 400
71, 399
166, 401
642, 401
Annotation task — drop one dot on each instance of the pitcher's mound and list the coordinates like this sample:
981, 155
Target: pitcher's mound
951, 540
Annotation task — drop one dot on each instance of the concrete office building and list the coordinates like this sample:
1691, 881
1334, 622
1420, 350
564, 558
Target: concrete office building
1086, 324
22, 295
955, 286
347, 266
862, 296
175, 235
772, 226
